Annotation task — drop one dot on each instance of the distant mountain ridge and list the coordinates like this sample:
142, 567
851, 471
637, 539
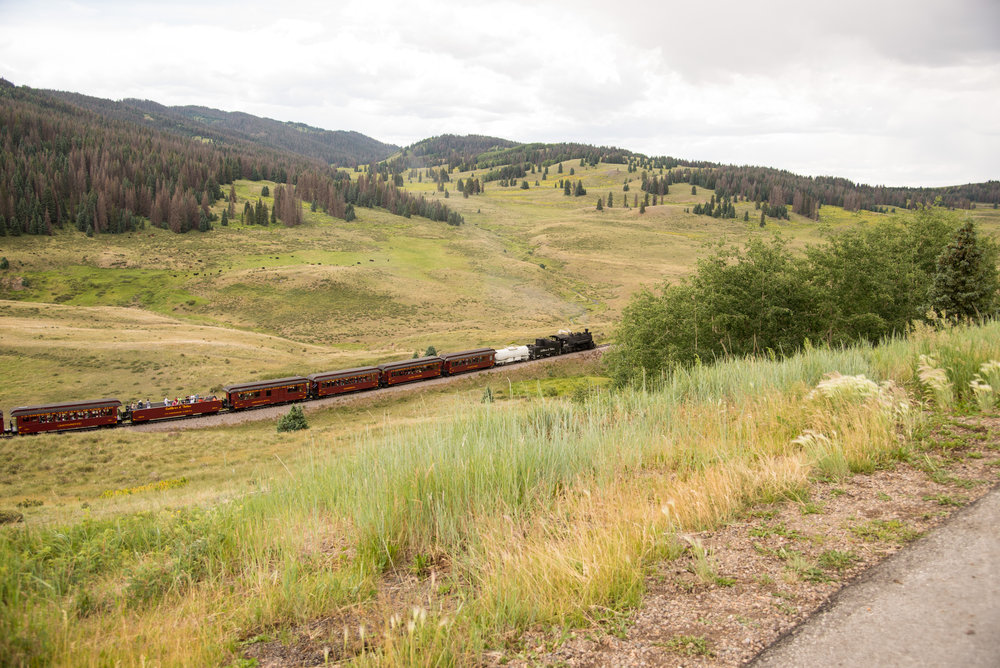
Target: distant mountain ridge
108, 167
247, 146
505, 159
335, 147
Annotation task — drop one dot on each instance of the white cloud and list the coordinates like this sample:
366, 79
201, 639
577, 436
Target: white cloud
898, 92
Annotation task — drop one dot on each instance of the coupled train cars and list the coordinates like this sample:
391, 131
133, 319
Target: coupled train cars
110, 412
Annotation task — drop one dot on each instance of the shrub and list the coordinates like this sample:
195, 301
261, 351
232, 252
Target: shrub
293, 421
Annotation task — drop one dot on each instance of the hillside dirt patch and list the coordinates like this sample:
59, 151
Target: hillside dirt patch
740, 588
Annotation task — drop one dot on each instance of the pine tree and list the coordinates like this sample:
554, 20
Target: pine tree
965, 285
600, 204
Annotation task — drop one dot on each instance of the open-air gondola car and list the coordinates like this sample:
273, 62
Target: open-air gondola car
160, 410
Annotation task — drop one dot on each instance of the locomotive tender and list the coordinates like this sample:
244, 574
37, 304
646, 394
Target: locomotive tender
97, 413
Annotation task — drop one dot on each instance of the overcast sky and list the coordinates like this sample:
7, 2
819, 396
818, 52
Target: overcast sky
896, 92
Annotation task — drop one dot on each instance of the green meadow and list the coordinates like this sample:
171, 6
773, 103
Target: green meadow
438, 528
423, 528
153, 313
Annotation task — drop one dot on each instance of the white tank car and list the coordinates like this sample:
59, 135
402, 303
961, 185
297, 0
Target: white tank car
512, 354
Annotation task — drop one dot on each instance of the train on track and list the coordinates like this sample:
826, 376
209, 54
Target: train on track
97, 413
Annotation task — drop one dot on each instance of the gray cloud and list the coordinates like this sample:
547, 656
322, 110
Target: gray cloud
900, 92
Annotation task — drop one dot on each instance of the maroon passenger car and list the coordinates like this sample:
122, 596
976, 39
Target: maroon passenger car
468, 360
266, 392
159, 410
62, 417
348, 380
407, 371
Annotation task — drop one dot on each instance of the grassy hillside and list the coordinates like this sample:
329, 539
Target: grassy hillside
243, 302
435, 530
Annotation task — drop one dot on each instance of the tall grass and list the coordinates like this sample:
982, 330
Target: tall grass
533, 512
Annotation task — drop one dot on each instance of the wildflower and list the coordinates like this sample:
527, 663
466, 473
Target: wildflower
838, 388
983, 392
810, 439
935, 379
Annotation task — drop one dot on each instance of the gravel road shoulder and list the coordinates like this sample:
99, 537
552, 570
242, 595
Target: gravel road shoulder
780, 564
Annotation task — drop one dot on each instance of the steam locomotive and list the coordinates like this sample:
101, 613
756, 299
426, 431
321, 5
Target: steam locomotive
92, 414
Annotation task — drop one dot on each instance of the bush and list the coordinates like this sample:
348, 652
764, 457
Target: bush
862, 284
293, 421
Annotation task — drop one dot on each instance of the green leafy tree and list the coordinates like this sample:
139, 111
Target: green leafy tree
872, 281
738, 302
430, 352
965, 281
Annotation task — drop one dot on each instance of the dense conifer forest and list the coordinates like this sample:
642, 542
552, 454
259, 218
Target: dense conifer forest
65, 165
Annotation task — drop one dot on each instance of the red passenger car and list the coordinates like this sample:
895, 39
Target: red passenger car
407, 371
62, 417
469, 360
338, 382
266, 392
160, 411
